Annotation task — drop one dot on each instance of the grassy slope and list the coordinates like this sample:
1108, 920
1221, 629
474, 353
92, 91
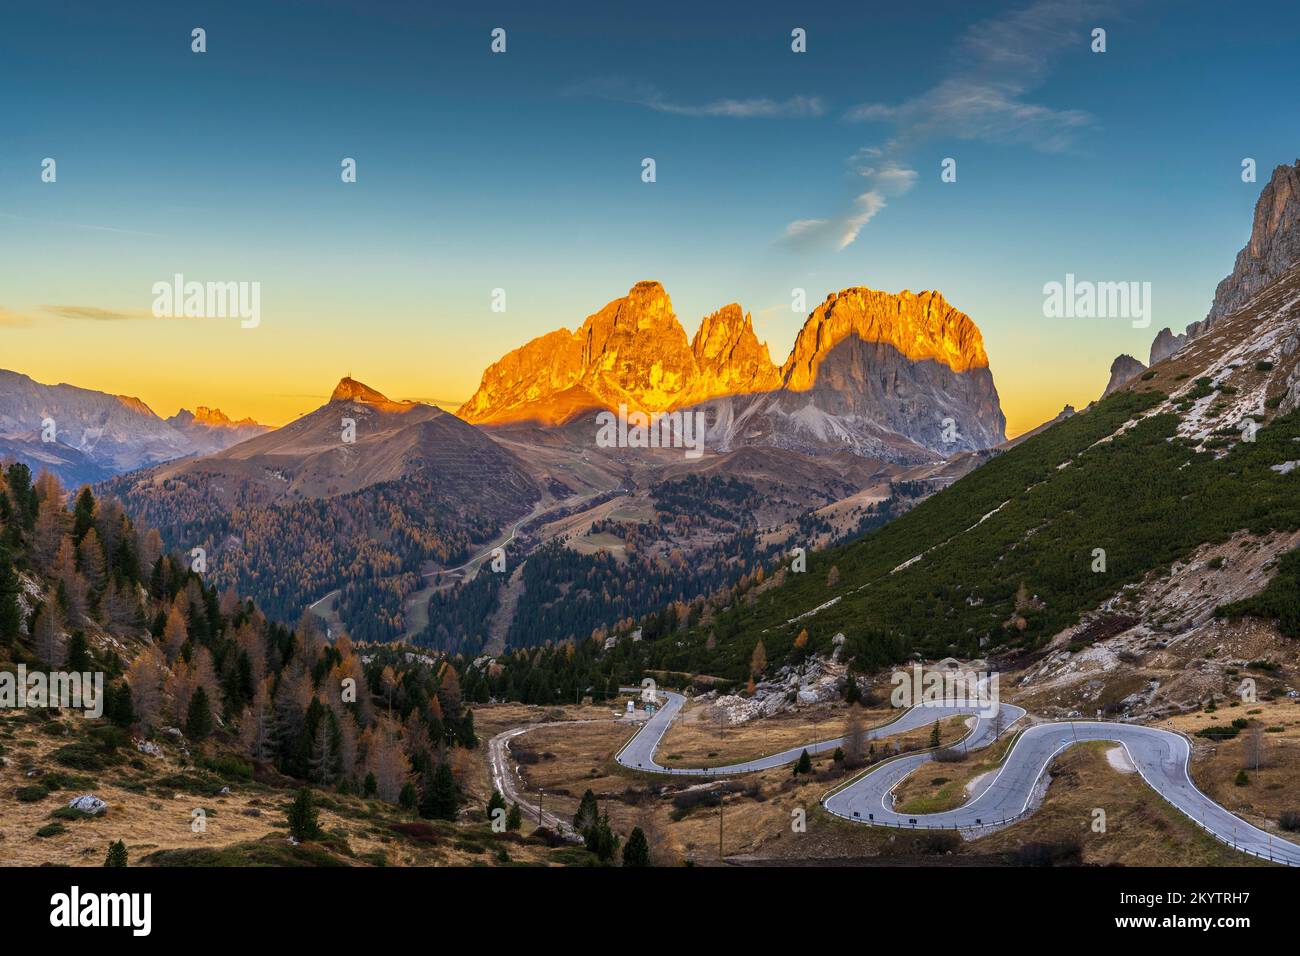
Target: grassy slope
1144, 496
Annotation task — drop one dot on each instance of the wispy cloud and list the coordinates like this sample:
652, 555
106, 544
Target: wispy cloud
651, 97
13, 320
93, 313
885, 181
1000, 61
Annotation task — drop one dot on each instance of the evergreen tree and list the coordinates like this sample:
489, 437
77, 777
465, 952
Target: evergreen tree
588, 813
934, 736
409, 798
198, 722
601, 840
10, 615
371, 786
637, 850
302, 816
495, 802
78, 653
441, 798
515, 818
117, 705
804, 765
116, 854
83, 515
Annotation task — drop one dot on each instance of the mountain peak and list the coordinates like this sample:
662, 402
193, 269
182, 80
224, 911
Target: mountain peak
350, 390
919, 325
1273, 247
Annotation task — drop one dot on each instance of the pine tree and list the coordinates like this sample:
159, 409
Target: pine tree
601, 839
302, 817
934, 736
78, 654
370, 786
409, 798
441, 799
495, 802
116, 854
198, 721
515, 818
804, 765
588, 813
637, 850
83, 514
10, 615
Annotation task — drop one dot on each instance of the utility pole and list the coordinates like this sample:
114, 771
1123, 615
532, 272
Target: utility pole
541, 798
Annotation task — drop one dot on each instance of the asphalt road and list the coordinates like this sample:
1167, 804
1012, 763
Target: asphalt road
638, 753
1160, 756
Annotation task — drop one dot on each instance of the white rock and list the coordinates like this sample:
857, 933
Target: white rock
88, 803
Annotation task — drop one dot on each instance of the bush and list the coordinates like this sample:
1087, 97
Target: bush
1289, 820
949, 755
1063, 853
228, 766
51, 829
31, 794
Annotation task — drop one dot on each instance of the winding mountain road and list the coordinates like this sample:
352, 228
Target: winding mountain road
1160, 756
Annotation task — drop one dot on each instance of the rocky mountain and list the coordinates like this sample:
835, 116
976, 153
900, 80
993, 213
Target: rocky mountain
901, 377
1273, 248
1122, 371
1135, 559
97, 435
210, 429
362, 495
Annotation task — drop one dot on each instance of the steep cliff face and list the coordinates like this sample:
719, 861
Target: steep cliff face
919, 326
1273, 248
729, 358
635, 350
900, 376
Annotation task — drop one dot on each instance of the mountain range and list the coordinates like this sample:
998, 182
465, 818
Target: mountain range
96, 435
902, 378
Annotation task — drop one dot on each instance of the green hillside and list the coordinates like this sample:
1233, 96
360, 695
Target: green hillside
1032, 517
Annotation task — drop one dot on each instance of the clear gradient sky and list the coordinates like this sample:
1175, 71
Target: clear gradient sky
522, 171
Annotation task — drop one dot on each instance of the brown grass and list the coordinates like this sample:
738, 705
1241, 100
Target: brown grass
1271, 788
694, 739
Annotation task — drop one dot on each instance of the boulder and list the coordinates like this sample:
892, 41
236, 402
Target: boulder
88, 803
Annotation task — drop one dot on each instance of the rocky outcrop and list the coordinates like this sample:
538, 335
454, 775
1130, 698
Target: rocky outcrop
1273, 248
1122, 371
729, 357
1165, 345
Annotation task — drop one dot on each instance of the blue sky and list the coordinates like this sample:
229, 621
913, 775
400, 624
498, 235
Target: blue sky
522, 171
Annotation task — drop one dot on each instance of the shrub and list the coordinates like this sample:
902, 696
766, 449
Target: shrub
949, 755
31, 794
51, 829
1289, 820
